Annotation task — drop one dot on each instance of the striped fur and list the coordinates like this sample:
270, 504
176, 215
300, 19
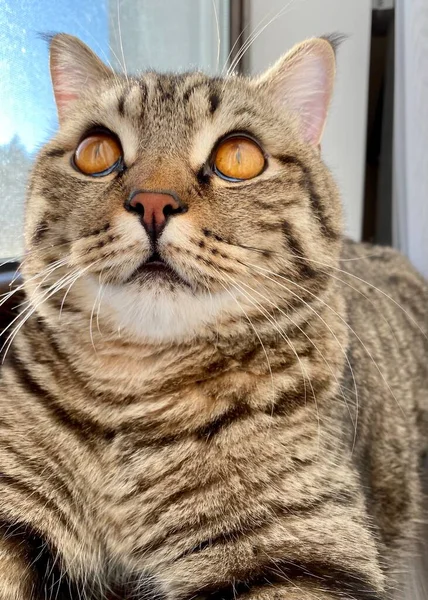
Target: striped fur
252, 428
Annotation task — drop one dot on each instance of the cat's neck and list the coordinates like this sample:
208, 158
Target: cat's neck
114, 380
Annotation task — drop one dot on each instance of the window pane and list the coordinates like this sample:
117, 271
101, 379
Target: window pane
169, 35
161, 34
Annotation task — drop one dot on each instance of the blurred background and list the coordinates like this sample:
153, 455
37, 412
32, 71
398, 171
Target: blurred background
376, 141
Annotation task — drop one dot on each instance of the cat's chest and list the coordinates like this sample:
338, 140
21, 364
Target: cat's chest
151, 508
154, 499
159, 497
158, 482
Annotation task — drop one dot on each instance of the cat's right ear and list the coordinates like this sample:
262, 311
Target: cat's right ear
74, 67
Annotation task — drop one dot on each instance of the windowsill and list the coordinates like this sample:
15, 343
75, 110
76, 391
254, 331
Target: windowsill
6, 277
8, 309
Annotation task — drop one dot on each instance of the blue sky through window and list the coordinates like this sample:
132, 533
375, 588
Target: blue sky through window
27, 110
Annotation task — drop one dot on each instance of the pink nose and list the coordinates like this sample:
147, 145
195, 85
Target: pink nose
155, 209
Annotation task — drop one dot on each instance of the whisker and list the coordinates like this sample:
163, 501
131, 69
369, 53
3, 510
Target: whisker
397, 304
355, 424
205, 283
45, 272
91, 332
368, 300
235, 44
7, 262
218, 35
121, 41
305, 375
236, 60
252, 38
284, 336
100, 50
31, 309
97, 297
257, 335
339, 317
328, 365
245, 247
65, 297
38, 249
345, 354
25, 314
103, 288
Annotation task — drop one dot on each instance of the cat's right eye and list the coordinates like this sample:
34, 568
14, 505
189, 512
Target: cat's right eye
98, 154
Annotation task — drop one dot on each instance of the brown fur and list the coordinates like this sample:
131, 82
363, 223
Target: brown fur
255, 432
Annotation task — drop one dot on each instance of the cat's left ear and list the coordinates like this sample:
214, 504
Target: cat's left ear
74, 68
302, 82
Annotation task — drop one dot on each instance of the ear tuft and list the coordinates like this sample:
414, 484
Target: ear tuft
335, 40
74, 67
302, 82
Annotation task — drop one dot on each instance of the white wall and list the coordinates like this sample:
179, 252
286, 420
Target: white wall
411, 132
345, 136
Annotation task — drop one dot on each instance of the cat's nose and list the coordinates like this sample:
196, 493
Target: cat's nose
155, 209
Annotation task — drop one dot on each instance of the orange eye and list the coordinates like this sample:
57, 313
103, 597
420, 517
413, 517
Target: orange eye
98, 154
238, 158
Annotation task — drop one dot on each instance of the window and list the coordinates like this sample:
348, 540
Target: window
161, 34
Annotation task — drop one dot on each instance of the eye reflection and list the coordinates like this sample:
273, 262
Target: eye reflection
98, 154
238, 158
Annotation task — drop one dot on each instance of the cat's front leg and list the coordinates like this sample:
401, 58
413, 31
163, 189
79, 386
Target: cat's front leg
304, 587
301, 591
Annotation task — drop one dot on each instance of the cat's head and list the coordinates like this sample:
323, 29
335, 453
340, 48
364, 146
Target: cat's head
169, 202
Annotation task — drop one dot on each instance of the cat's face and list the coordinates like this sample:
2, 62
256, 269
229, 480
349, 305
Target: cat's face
176, 198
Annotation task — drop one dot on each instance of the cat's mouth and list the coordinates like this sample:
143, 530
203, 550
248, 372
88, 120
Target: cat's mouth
155, 263
155, 268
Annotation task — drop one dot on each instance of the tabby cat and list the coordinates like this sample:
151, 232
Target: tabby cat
209, 392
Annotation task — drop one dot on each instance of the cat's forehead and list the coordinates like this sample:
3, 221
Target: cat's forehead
190, 92
166, 105
178, 103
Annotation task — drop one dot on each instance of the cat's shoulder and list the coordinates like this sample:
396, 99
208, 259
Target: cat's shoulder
385, 278
384, 261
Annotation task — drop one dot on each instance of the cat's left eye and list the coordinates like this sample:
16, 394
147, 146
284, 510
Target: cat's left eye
98, 154
238, 158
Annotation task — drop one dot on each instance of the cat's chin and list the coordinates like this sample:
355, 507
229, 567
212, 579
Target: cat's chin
160, 313
156, 272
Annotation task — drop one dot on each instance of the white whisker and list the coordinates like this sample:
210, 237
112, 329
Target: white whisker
32, 308
397, 304
305, 375
342, 320
252, 38
121, 41
218, 35
236, 42
257, 335
45, 272
287, 316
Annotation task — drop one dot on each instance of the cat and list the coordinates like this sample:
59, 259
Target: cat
209, 392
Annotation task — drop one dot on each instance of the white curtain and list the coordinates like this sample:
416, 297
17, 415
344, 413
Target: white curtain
410, 197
